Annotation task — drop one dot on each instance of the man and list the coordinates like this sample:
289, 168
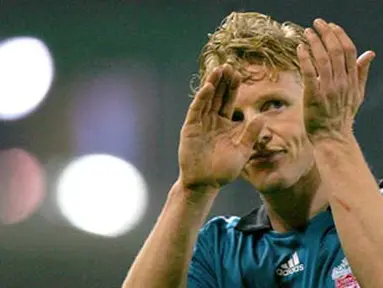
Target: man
276, 106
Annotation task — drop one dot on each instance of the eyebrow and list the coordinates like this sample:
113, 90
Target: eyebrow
276, 94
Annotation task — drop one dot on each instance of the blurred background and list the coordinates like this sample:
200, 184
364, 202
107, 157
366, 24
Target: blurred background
92, 97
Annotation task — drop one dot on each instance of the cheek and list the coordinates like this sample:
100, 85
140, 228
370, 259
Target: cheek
290, 132
290, 126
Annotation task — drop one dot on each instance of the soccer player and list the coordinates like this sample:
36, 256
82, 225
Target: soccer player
276, 106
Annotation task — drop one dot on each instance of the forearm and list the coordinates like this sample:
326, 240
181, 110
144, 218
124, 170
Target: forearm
164, 259
357, 208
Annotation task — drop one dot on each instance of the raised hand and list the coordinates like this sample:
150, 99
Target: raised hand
334, 83
213, 149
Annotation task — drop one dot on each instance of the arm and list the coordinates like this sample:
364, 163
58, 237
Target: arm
357, 207
164, 259
207, 134
334, 91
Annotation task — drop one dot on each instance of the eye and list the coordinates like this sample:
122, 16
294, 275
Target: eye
237, 116
272, 105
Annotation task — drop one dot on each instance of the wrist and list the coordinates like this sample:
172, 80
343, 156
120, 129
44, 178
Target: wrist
337, 156
342, 146
194, 194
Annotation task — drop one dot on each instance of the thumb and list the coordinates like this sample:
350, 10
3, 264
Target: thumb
251, 132
363, 63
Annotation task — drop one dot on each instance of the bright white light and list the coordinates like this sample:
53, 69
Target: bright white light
26, 74
102, 194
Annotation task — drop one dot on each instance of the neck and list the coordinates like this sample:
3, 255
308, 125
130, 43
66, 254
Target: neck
291, 208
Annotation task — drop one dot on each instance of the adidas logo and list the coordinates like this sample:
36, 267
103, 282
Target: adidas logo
292, 266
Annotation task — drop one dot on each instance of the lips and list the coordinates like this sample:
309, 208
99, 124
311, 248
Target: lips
266, 155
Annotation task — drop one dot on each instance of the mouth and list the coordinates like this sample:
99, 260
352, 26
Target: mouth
266, 155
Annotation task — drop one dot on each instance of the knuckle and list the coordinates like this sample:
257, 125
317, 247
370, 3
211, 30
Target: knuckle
322, 61
331, 90
304, 56
350, 48
309, 73
342, 85
326, 31
336, 51
313, 38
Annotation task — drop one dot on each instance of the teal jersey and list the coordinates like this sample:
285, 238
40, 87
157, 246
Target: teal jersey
246, 252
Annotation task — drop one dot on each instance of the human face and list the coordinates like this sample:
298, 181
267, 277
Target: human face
280, 103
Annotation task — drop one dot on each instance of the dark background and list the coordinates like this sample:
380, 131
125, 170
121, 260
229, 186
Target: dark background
155, 44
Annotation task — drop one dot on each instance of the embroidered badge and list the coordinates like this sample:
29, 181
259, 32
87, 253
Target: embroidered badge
342, 275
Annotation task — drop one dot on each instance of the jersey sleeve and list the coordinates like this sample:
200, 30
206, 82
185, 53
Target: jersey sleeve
202, 273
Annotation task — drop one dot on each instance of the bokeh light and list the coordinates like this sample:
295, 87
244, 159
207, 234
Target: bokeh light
22, 185
26, 75
102, 194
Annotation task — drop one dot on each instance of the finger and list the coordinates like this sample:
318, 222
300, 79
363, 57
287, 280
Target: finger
201, 100
227, 108
223, 86
363, 64
214, 78
251, 132
203, 97
309, 75
322, 61
348, 46
333, 47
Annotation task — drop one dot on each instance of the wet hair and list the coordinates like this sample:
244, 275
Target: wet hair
251, 37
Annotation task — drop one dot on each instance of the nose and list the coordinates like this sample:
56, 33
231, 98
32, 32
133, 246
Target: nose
264, 138
265, 135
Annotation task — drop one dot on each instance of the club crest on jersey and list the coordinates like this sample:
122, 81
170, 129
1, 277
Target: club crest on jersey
343, 277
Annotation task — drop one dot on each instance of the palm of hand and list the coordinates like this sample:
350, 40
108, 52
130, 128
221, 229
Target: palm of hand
210, 146
213, 150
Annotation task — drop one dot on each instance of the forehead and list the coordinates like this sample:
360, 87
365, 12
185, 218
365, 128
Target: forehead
286, 84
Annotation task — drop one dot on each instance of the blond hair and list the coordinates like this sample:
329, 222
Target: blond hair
251, 37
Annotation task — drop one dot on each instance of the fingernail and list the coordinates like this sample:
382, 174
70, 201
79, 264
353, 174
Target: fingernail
300, 46
218, 70
308, 31
320, 22
334, 26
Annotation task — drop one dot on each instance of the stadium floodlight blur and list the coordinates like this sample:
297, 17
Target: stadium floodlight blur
102, 194
22, 188
26, 75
